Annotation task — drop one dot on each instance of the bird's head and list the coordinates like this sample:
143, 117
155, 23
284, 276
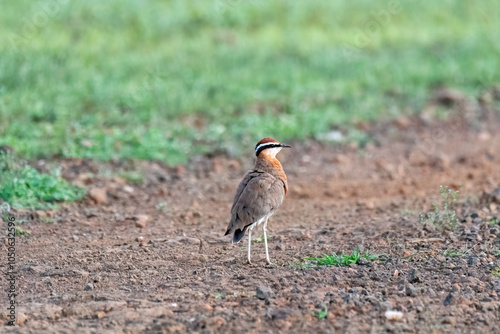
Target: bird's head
268, 147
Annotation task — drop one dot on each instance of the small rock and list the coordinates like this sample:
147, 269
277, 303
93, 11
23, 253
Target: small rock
493, 208
393, 315
21, 319
304, 236
406, 254
413, 277
216, 322
448, 300
473, 261
363, 262
403, 122
141, 221
264, 292
88, 287
385, 305
411, 291
484, 136
203, 258
99, 195
450, 320
370, 204
431, 262
128, 189
100, 315
477, 220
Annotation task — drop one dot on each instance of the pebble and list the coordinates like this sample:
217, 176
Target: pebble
450, 320
128, 189
393, 315
448, 300
414, 277
141, 220
473, 261
264, 292
411, 291
21, 319
216, 322
385, 305
99, 195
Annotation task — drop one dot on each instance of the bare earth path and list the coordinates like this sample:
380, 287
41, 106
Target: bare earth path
90, 269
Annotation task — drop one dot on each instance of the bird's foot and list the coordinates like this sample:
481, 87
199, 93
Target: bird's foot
271, 264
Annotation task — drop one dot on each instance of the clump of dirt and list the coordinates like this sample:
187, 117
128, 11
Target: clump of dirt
148, 254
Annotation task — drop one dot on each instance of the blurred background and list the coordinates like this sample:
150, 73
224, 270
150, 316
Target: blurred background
168, 80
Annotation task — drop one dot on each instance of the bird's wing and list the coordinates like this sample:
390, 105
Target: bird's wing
246, 179
258, 195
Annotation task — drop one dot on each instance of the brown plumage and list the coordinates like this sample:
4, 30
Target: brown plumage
259, 194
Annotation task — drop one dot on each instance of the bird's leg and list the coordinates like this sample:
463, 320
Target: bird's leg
265, 242
249, 243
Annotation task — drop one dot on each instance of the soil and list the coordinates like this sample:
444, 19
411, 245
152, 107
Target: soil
151, 256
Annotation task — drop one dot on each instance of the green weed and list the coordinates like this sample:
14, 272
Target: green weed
343, 259
321, 313
22, 186
455, 252
21, 231
217, 295
161, 206
495, 271
494, 221
132, 176
260, 239
443, 217
47, 220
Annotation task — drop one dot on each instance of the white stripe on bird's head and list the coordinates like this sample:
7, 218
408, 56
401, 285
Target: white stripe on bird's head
270, 144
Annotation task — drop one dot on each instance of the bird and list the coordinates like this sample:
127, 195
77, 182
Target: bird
259, 194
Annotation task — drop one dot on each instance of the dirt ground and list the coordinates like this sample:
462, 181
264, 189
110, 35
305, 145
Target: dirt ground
150, 256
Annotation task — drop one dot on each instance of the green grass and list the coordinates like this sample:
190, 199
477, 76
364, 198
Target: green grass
170, 79
495, 271
342, 259
22, 186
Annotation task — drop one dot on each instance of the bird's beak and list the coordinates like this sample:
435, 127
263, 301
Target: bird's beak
283, 145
